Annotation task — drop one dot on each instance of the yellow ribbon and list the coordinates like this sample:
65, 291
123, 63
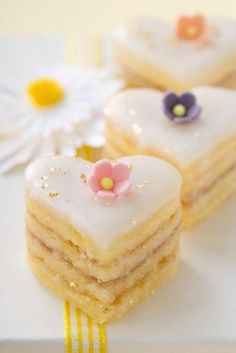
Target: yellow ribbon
67, 320
84, 340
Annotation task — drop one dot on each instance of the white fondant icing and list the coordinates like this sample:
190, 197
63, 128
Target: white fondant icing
139, 112
154, 182
186, 60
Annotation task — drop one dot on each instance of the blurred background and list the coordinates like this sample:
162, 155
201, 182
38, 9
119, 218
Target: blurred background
95, 16
84, 23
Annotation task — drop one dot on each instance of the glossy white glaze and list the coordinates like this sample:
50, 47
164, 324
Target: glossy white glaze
154, 43
154, 182
139, 113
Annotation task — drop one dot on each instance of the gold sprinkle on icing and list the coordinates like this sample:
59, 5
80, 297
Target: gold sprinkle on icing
130, 166
58, 170
44, 177
83, 178
44, 186
53, 194
53, 170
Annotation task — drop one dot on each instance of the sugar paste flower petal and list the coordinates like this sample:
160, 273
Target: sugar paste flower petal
102, 168
93, 182
105, 194
120, 172
122, 188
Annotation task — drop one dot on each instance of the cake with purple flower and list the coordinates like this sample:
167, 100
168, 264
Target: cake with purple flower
195, 131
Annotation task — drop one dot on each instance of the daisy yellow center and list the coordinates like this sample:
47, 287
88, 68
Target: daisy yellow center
107, 183
192, 31
45, 93
179, 110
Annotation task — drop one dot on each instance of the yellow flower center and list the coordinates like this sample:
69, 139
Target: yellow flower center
179, 110
192, 31
45, 93
106, 183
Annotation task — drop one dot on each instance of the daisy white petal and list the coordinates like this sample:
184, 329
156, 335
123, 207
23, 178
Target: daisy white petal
61, 106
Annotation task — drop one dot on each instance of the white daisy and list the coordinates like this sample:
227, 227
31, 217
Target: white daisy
53, 111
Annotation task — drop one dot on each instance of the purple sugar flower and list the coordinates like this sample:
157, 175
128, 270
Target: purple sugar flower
181, 109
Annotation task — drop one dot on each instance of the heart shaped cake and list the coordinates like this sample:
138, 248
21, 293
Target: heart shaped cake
193, 51
195, 131
103, 235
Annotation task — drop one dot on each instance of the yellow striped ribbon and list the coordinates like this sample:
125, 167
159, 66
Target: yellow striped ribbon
82, 335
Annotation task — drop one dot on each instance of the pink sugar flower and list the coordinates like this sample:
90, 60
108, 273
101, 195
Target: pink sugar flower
109, 180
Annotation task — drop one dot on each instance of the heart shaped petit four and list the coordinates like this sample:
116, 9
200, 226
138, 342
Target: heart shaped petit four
195, 131
192, 51
103, 235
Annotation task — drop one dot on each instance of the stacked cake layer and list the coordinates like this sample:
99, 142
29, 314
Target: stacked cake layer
102, 266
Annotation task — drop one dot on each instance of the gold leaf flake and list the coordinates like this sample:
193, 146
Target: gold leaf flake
53, 170
45, 186
53, 194
58, 170
44, 177
83, 178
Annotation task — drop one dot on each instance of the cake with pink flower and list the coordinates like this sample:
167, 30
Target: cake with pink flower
103, 236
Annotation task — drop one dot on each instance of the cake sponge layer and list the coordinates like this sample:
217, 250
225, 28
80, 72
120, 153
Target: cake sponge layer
207, 182
105, 292
97, 310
